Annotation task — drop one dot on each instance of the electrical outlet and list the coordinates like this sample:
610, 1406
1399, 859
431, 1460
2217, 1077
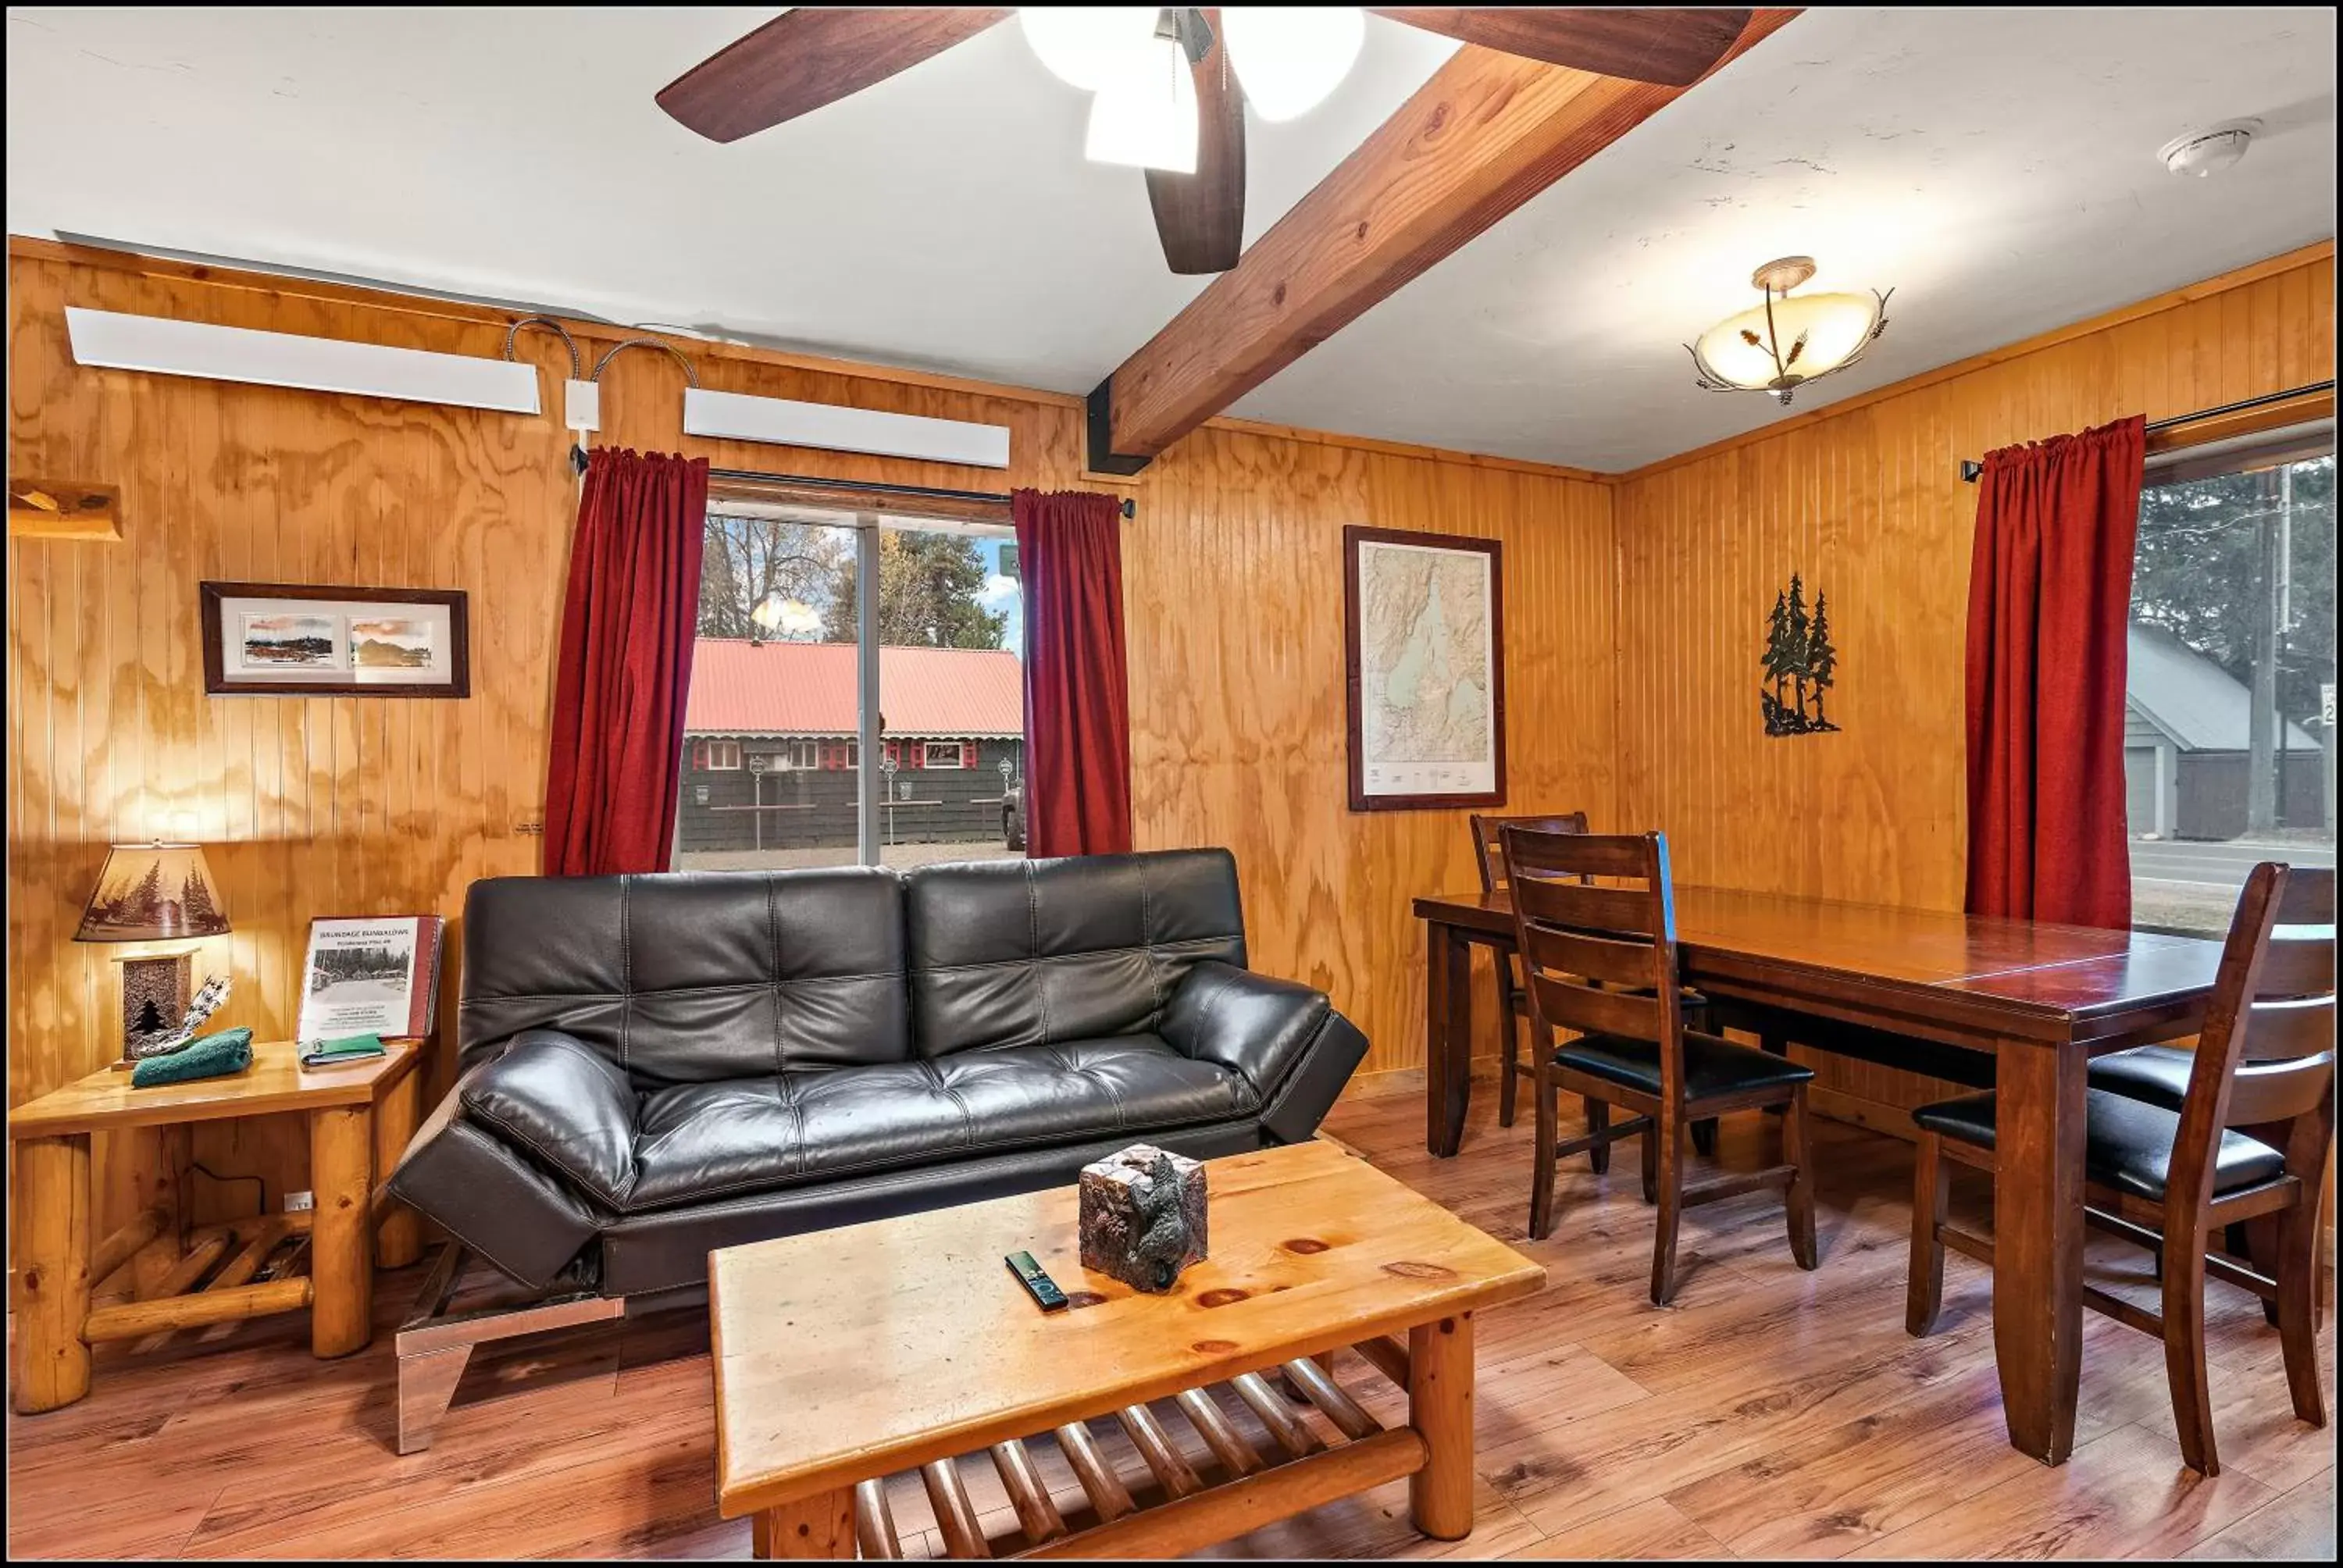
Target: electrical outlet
296, 1201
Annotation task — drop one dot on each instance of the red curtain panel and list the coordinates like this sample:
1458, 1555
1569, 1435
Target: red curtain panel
2050, 599
627, 634
1077, 687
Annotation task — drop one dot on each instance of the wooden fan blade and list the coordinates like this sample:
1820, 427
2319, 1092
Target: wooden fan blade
805, 58
1200, 217
1674, 48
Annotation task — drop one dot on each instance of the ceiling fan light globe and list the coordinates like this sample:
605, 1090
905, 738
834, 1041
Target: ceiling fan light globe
1288, 59
1084, 45
1145, 115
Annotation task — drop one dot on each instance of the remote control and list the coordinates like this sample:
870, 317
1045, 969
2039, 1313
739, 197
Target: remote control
1038, 1284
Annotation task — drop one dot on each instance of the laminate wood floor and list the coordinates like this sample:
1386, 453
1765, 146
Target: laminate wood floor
1767, 1414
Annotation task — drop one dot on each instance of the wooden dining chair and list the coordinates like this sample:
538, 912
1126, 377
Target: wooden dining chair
1600, 960
2163, 1177
1513, 1005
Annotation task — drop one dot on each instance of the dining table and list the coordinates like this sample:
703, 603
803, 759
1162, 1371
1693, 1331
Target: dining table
2039, 999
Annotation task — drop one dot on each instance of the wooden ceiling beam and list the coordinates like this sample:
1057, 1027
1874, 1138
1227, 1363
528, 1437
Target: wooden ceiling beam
1485, 135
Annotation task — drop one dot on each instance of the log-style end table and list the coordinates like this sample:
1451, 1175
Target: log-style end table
847, 1356
360, 1118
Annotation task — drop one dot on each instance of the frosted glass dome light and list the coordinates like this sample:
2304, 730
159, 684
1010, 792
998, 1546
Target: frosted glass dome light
1083, 46
1288, 59
1789, 340
1145, 112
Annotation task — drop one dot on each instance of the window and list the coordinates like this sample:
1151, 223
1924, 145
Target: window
781, 653
2230, 711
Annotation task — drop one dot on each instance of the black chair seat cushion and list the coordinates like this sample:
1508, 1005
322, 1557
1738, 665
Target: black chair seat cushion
2156, 1073
2160, 1073
696, 1142
2126, 1143
1713, 1067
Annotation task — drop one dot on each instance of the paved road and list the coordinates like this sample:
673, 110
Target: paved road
2218, 865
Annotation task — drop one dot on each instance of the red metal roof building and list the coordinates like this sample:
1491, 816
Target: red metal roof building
747, 688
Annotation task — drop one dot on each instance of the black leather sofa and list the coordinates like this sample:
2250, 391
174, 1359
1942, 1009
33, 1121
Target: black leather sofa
656, 1066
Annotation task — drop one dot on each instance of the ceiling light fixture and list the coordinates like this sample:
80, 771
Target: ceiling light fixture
1781, 345
2203, 153
1083, 46
1145, 111
1288, 59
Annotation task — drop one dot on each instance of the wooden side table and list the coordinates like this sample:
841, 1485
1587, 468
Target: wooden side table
360, 1118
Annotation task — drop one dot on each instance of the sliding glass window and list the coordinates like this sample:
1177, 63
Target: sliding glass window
857, 692
2229, 715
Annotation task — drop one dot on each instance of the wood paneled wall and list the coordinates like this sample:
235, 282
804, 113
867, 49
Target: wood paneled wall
1866, 503
349, 805
1636, 610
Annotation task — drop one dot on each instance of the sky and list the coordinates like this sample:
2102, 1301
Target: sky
1000, 593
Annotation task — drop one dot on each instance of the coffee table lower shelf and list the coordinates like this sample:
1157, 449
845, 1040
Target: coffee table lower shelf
1179, 1509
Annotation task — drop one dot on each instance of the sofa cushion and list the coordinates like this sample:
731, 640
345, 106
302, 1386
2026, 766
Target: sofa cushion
1033, 952
701, 1143
693, 976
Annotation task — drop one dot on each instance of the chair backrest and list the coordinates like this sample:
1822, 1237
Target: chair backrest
1598, 958
2266, 1057
1491, 858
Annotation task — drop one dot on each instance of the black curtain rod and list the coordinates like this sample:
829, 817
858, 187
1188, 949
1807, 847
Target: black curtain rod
927, 492
1971, 468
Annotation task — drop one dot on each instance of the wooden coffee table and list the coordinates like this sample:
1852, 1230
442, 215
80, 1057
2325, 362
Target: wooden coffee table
845, 1356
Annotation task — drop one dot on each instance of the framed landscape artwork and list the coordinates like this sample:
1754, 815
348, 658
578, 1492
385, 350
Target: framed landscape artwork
277, 639
1424, 620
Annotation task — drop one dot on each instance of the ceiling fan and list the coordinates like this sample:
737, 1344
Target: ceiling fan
1172, 84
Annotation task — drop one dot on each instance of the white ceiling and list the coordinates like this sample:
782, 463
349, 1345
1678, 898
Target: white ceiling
1997, 167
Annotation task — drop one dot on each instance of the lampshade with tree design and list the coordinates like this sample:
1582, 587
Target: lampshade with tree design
151, 893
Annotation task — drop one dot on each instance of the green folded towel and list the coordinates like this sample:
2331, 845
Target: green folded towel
209, 1056
332, 1052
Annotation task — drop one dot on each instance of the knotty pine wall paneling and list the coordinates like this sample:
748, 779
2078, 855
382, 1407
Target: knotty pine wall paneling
1866, 501
1233, 577
352, 805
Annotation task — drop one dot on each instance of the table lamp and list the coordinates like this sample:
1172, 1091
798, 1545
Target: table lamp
153, 893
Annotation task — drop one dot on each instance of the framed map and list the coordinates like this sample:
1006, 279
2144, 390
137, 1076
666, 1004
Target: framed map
1425, 622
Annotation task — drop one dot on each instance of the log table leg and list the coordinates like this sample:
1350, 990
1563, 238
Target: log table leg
1440, 1408
818, 1526
398, 1241
173, 1153
341, 1252
52, 1270
1448, 1035
2037, 1249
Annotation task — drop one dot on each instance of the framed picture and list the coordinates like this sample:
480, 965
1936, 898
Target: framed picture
1424, 620
370, 975
277, 639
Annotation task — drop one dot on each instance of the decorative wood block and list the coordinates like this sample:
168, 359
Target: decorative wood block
58, 509
1142, 1217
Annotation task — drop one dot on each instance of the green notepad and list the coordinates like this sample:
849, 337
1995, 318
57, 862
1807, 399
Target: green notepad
334, 1052
209, 1056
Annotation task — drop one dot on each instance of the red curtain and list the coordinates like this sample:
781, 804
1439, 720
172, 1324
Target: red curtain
1077, 688
2049, 602
627, 632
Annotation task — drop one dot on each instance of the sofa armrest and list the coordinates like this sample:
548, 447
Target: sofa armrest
1256, 1026
557, 1099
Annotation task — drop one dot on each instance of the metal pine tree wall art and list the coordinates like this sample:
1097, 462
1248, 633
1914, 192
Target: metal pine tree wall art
1800, 664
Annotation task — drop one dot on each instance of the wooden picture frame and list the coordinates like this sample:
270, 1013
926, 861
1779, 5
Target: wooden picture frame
301, 641
1411, 785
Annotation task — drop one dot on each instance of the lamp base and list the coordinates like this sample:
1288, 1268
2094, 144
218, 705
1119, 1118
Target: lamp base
155, 993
